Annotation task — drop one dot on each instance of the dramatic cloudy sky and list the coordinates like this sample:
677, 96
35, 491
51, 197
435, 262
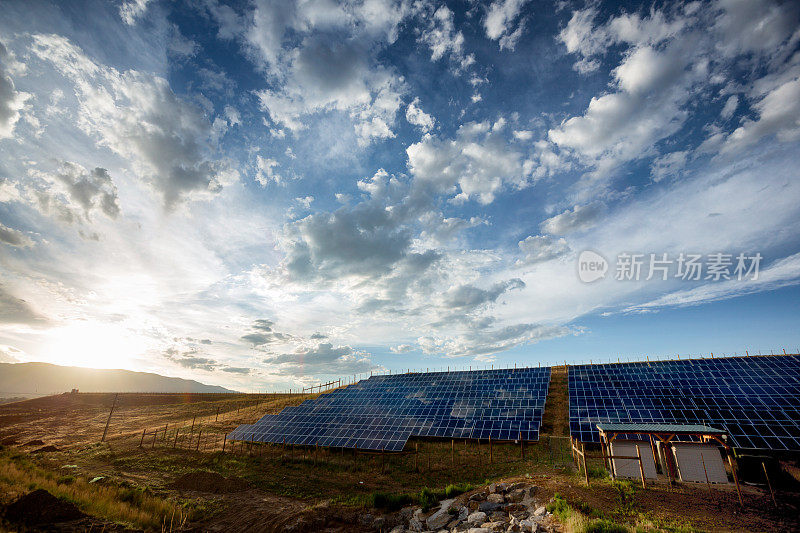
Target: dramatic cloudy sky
262, 194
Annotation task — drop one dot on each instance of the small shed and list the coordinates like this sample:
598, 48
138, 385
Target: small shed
665, 435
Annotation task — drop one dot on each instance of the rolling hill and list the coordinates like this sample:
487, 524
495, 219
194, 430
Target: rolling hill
28, 379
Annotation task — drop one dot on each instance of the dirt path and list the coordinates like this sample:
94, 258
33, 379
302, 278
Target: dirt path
556, 408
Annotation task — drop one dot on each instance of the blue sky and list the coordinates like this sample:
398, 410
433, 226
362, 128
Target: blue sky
267, 194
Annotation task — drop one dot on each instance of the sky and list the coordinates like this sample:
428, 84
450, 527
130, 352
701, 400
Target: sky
265, 195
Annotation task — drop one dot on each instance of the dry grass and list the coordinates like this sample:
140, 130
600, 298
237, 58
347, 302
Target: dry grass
129, 506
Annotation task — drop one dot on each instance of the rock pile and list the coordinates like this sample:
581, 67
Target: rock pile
502, 507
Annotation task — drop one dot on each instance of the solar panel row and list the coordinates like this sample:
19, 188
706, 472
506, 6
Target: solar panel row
381, 413
756, 400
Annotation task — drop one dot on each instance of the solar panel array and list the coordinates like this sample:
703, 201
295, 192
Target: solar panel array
756, 400
382, 412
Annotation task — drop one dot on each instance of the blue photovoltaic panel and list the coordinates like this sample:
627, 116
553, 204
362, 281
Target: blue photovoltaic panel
382, 412
755, 400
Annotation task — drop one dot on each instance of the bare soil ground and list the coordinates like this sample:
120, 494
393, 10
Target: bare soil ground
269, 488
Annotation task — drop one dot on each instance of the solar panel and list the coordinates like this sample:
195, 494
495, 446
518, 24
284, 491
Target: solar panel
756, 400
383, 412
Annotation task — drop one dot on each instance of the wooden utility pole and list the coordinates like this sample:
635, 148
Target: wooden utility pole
113, 404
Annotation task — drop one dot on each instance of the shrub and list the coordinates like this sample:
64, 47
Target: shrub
559, 507
427, 498
389, 501
453, 490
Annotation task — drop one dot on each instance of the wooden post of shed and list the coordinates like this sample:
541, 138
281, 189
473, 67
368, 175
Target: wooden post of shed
641, 465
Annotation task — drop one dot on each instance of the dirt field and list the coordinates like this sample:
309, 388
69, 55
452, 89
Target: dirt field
176, 477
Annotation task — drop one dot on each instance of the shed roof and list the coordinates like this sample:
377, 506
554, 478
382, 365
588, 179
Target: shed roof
659, 428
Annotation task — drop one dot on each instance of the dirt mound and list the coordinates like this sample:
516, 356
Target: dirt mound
36, 442
41, 507
209, 482
49, 448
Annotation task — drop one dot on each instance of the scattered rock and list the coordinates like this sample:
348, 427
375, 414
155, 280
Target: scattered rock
35, 442
478, 530
476, 518
539, 511
406, 513
439, 519
41, 507
97, 479
398, 529
488, 507
211, 482
477, 497
495, 498
516, 496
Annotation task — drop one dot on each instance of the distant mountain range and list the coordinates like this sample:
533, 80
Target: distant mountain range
33, 379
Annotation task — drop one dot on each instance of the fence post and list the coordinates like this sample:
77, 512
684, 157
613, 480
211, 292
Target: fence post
224, 442
142, 441
199, 434
113, 404
174, 444
769, 485
736, 480
585, 469
216, 417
